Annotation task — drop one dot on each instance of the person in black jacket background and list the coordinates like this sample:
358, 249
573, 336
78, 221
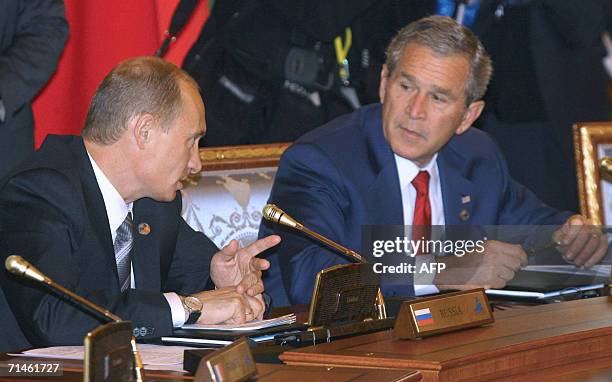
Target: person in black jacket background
32, 37
548, 75
272, 70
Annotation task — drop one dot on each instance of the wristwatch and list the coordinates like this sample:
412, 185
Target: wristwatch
193, 308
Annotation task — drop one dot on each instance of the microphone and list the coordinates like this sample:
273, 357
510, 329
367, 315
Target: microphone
17, 265
20, 267
274, 214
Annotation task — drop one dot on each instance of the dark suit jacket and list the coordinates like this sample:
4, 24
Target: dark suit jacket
32, 36
52, 213
343, 175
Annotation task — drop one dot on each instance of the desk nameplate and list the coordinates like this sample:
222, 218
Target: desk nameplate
444, 313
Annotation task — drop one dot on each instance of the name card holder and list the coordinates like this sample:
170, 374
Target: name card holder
443, 313
233, 363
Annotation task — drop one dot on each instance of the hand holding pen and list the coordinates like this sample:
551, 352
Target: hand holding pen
579, 241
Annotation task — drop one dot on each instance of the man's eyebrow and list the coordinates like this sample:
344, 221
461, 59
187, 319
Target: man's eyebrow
443, 91
436, 89
407, 76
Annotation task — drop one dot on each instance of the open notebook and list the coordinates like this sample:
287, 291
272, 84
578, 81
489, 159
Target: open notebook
247, 326
223, 334
548, 281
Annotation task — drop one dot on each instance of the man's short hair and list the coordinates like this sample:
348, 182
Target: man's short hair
445, 37
135, 86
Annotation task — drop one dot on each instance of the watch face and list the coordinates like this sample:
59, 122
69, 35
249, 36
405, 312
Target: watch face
193, 303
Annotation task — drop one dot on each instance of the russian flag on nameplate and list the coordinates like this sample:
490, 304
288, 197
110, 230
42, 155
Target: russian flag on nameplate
423, 317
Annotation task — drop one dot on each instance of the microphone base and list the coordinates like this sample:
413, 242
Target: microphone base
336, 331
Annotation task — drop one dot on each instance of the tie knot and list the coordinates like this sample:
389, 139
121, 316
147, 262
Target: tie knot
421, 183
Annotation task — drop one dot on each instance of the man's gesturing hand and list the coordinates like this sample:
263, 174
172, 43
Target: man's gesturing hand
239, 266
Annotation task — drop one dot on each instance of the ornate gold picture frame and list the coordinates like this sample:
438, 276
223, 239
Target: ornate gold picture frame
593, 152
245, 156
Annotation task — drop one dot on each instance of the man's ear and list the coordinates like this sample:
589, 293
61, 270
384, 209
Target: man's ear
469, 116
384, 77
142, 126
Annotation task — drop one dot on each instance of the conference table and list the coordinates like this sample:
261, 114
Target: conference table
571, 340
73, 371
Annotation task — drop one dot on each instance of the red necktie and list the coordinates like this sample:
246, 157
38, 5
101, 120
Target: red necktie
421, 223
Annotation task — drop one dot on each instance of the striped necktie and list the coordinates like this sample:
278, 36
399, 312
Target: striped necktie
124, 241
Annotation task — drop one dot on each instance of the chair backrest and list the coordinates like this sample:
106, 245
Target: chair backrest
225, 199
593, 151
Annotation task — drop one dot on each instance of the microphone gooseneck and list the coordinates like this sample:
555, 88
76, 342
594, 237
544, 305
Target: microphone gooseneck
17, 265
21, 267
273, 213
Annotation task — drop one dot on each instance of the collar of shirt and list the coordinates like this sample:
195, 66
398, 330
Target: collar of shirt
116, 208
407, 171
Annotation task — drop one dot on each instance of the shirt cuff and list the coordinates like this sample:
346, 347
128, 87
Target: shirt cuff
421, 290
176, 307
424, 281
2, 111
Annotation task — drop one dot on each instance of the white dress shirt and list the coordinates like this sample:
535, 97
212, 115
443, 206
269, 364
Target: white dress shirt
116, 211
407, 171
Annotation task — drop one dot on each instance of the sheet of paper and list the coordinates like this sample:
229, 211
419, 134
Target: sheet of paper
203, 342
247, 326
154, 357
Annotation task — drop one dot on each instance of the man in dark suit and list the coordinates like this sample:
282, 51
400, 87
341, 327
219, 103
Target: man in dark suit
32, 37
363, 169
101, 215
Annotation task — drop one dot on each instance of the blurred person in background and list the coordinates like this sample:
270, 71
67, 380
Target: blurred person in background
32, 37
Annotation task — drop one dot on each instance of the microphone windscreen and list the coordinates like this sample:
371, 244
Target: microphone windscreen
16, 264
272, 212
21, 267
